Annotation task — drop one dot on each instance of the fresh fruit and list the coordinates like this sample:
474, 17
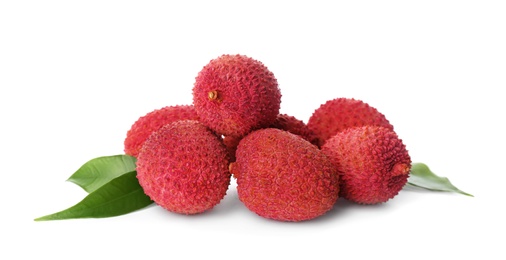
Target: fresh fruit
183, 157
153, 121
283, 177
372, 162
183, 167
338, 114
235, 94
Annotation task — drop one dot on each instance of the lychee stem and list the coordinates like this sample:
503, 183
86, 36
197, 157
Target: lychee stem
400, 169
212, 95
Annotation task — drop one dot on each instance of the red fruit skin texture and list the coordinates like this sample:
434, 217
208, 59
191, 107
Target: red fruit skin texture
183, 167
231, 142
152, 121
295, 126
283, 122
235, 94
372, 162
338, 114
283, 177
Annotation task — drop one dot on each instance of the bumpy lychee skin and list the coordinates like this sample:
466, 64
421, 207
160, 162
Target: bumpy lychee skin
231, 142
235, 94
283, 177
283, 122
372, 162
294, 126
183, 167
152, 121
338, 114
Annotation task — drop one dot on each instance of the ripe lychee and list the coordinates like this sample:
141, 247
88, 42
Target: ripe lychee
235, 94
283, 177
152, 121
183, 167
338, 114
373, 163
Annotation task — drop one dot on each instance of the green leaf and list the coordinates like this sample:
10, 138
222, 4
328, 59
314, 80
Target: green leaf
99, 171
421, 176
120, 196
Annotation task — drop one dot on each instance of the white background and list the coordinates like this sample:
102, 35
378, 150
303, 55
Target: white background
74, 76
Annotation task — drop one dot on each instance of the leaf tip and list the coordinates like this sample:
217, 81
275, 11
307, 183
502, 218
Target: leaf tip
467, 194
44, 218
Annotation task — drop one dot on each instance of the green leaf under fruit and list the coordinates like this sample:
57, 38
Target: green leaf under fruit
421, 176
119, 196
99, 171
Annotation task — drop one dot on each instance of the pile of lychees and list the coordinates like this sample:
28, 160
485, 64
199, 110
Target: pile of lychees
285, 169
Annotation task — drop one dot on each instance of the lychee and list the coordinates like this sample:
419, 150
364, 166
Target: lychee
152, 121
373, 163
235, 94
338, 114
183, 167
283, 177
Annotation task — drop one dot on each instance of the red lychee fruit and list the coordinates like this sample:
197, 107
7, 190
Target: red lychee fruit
372, 162
183, 167
234, 94
152, 121
283, 177
338, 114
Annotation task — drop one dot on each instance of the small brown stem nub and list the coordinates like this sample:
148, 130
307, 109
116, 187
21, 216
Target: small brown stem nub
212, 95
